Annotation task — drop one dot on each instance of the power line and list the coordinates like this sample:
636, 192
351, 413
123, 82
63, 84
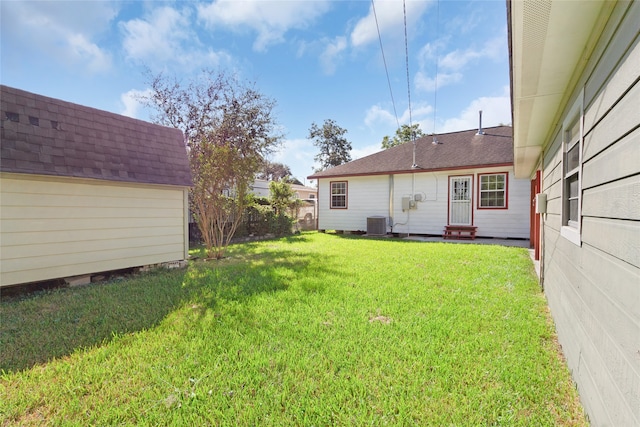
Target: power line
406, 51
393, 102
435, 88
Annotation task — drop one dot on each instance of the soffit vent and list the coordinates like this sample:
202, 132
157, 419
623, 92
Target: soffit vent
535, 28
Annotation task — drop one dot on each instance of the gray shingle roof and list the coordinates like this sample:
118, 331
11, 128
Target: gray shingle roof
47, 136
456, 150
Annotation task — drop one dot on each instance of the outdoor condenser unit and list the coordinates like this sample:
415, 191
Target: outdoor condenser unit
376, 225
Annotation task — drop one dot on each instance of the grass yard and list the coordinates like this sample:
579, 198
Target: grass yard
313, 329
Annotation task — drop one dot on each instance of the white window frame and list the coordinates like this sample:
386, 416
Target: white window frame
332, 194
572, 230
504, 190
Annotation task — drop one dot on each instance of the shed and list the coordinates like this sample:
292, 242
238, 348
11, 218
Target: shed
85, 191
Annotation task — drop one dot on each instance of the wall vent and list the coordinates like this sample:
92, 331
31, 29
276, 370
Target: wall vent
376, 225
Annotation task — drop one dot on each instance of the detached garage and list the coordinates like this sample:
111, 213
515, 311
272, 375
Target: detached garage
85, 191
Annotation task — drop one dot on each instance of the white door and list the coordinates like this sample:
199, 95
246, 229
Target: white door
460, 194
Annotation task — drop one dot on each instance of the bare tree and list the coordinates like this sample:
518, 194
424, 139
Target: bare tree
229, 129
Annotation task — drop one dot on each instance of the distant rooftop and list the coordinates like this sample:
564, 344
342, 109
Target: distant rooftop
455, 150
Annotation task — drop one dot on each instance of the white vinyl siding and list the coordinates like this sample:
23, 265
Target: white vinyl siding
60, 227
512, 222
369, 196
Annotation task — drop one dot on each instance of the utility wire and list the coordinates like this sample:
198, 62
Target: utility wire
414, 165
393, 102
435, 89
406, 51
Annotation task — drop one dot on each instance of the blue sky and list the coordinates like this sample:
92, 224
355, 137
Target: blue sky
317, 59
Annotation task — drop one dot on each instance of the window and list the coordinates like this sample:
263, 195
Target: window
339, 195
492, 190
571, 173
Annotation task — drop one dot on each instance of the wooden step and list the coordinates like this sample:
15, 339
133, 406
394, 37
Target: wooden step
459, 232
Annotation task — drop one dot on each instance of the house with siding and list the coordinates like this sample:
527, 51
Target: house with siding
459, 181
85, 191
575, 76
306, 212
260, 188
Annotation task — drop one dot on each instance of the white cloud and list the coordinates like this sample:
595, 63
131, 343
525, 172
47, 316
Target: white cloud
427, 53
378, 116
451, 66
419, 111
298, 154
428, 84
332, 53
165, 37
358, 153
390, 18
458, 59
160, 35
64, 31
95, 58
270, 21
44, 17
131, 102
496, 110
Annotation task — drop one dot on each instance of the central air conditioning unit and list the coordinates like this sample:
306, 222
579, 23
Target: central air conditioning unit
376, 225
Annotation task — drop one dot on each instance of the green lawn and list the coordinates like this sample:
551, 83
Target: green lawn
314, 329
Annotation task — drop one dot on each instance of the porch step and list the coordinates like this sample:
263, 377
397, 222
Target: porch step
459, 232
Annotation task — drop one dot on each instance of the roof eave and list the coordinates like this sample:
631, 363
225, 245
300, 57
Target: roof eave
417, 170
548, 50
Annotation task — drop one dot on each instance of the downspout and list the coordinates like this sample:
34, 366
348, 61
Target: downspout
317, 207
391, 187
543, 217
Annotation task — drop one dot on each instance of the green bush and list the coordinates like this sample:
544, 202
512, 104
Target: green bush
281, 225
259, 219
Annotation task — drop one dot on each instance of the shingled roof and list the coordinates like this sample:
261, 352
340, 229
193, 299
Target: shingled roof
456, 150
47, 136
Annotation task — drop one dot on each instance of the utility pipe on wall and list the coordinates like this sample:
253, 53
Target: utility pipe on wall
391, 187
